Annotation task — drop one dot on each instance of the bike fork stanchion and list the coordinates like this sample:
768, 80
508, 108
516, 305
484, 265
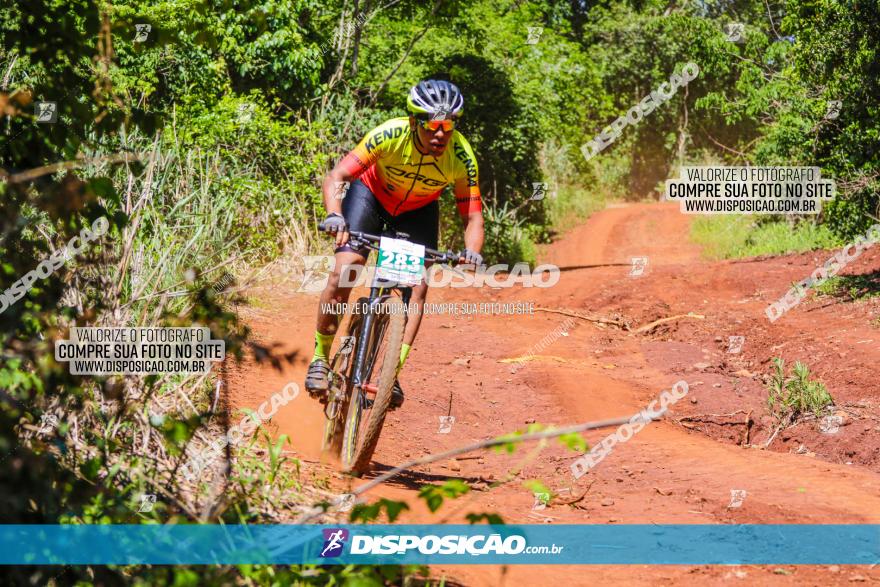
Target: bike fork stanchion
363, 336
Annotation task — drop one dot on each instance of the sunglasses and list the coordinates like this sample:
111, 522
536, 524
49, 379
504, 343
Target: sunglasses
434, 125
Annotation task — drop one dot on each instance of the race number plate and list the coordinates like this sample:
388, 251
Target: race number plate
400, 261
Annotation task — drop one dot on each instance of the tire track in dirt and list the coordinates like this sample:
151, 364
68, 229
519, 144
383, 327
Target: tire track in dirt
665, 474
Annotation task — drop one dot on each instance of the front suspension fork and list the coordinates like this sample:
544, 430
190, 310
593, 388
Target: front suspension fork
376, 296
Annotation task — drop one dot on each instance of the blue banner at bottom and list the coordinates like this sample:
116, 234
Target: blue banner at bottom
440, 544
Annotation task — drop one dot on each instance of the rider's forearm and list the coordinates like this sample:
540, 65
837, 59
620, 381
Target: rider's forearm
473, 232
330, 189
346, 171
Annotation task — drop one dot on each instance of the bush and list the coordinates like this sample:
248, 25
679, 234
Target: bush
792, 397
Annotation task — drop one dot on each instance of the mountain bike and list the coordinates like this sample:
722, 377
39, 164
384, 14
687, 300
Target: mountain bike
364, 367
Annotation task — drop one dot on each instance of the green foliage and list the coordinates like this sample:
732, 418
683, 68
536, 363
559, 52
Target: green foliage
508, 235
507, 445
637, 49
263, 168
199, 49
730, 236
489, 518
855, 287
109, 448
574, 441
434, 495
543, 494
354, 575
825, 51
371, 512
507, 442
793, 396
204, 145
518, 96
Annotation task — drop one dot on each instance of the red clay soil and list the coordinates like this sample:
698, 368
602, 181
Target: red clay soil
678, 470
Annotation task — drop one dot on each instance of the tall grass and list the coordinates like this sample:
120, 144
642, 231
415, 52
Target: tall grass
570, 202
573, 204
203, 204
735, 236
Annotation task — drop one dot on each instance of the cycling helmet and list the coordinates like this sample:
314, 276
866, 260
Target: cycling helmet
435, 99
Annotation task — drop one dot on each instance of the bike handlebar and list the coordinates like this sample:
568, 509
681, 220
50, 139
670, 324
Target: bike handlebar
433, 255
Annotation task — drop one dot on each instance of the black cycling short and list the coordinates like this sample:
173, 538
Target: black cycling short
364, 213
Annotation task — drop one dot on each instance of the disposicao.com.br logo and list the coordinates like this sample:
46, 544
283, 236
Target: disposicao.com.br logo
317, 270
432, 544
334, 542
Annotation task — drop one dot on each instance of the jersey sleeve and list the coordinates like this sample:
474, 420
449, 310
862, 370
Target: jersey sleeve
466, 178
370, 149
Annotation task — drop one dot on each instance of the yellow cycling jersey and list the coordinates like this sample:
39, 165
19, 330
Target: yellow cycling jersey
403, 179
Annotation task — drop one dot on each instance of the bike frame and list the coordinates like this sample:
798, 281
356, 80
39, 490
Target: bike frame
380, 290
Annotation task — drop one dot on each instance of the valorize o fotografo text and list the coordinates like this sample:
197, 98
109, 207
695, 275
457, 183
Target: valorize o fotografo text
450, 308
750, 190
139, 350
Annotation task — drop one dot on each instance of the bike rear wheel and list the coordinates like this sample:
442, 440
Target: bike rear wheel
363, 423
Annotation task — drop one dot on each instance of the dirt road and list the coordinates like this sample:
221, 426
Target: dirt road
682, 469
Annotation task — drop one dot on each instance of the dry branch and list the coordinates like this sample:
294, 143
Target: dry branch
575, 499
618, 323
498, 441
650, 326
32, 174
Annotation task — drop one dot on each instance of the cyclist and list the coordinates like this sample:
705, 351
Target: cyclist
397, 173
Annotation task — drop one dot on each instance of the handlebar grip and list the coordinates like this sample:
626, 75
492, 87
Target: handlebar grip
322, 226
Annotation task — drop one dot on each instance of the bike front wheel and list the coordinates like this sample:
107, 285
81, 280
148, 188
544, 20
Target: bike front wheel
363, 423
341, 370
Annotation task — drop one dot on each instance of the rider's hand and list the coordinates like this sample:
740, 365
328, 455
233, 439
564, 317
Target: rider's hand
335, 224
470, 257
